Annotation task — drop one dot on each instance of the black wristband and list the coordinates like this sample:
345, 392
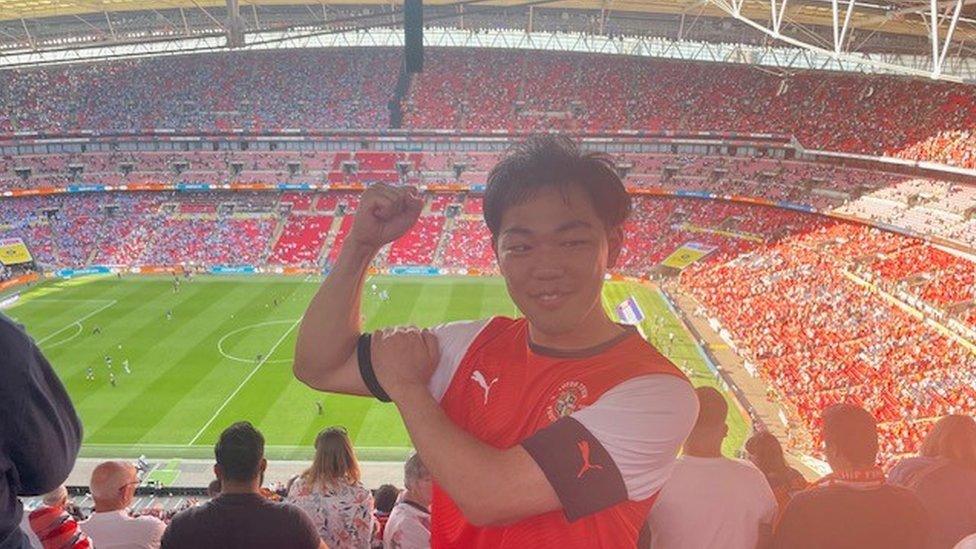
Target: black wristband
366, 368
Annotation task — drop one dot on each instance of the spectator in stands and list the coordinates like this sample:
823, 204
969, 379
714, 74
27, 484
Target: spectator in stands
765, 452
711, 500
56, 528
943, 476
560, 425
55, 515
113, 486
852, 507
385, 498
39, 431
331, 494
241, 517
409, 524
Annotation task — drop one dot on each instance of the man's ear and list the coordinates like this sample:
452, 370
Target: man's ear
615, 242
264, 464
218, 473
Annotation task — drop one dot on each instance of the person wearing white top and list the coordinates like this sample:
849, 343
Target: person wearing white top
409, 524
113, 485
711, 500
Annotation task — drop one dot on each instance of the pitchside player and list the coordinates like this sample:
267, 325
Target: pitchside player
553, 430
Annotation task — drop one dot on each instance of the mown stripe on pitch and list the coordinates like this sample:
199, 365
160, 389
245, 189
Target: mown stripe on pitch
462, 301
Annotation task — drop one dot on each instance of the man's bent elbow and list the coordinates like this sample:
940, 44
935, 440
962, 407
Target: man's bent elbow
309, 373
482, 516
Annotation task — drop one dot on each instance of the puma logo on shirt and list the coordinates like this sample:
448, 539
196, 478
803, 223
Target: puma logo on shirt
584, 448
479, 378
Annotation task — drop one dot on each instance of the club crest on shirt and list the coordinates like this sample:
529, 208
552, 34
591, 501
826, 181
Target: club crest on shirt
568, 398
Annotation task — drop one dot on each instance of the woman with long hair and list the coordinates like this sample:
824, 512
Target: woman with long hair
943, 476
331, 493
765, 452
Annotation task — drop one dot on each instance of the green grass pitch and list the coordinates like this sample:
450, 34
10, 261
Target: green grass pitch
226, 356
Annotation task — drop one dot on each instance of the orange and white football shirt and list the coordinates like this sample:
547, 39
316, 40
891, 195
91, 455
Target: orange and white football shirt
603, 424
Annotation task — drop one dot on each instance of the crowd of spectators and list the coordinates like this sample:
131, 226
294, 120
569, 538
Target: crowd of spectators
326, 505
709, 499
255, 91
926, 206
579, 92
531, 90
817, 336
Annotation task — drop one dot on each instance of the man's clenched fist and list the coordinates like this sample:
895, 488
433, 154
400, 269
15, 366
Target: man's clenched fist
385, 213
403, 358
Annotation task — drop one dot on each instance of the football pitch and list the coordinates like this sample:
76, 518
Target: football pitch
224, 355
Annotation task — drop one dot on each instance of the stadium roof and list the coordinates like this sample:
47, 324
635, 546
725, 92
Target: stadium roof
890, 16
937, 29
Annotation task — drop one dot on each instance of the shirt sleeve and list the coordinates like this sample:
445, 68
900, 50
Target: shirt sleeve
622, 447
453, 339
43, 432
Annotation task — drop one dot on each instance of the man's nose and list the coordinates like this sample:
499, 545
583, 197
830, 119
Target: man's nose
549, 265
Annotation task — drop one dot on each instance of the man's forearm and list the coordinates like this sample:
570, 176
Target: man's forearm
328, 332
470, 471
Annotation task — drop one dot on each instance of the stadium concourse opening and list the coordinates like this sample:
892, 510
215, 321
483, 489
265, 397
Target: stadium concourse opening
798, 238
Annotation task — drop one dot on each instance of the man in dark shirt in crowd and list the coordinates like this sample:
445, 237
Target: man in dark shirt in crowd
852, 507
240, 517
39, 430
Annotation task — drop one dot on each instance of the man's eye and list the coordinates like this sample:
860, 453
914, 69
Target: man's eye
519, 248
574, 243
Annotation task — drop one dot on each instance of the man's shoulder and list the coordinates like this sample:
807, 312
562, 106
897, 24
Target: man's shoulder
828, 494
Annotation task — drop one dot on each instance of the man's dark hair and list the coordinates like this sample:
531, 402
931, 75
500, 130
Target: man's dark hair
853, 432
239, 451
385, 498
555, 161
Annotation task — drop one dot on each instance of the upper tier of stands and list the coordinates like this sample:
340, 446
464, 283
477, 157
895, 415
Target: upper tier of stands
485, 90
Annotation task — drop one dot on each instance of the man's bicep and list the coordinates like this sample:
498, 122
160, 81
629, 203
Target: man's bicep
345, 379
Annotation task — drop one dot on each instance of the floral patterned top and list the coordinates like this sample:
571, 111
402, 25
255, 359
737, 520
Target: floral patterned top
342, 512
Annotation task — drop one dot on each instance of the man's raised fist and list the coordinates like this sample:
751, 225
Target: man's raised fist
385, 214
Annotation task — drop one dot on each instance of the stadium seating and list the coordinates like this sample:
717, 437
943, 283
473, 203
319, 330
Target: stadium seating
531, 90
224, 91
301, 241
417, 247
819, 337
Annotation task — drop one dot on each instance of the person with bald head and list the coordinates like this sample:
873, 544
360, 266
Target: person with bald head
113, 485
711, 500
